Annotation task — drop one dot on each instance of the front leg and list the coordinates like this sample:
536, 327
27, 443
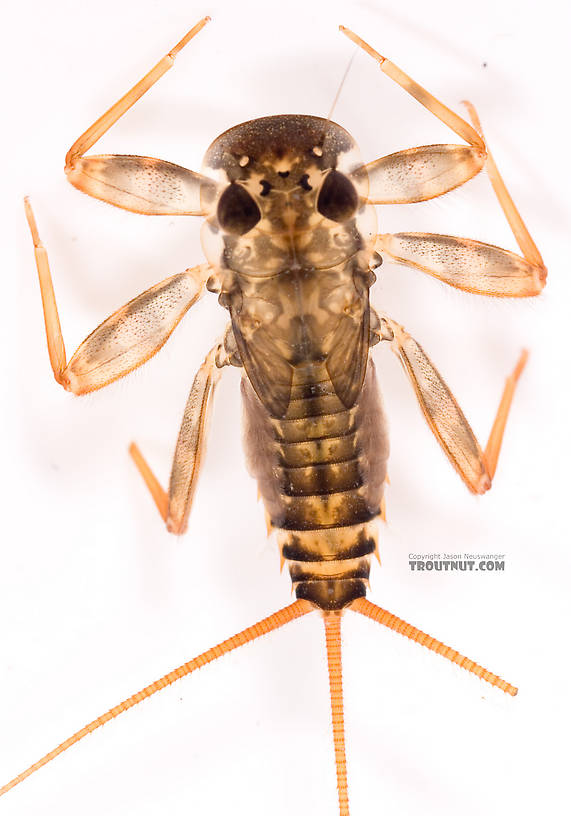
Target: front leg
422, 173
137, 183
128, 338
474, 266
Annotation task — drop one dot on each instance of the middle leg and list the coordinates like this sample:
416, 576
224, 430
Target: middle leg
422, 173
126, 339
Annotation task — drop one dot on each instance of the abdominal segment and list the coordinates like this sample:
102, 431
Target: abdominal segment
321, 471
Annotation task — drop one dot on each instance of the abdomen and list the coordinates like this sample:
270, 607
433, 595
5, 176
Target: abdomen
321, 472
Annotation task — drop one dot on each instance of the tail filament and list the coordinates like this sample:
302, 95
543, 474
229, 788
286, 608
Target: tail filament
379, 615
280, 618
333, 641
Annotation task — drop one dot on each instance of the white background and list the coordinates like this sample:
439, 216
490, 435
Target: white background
97, 599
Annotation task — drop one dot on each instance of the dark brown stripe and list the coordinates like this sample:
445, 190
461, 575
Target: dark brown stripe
340, 509
322, 479
335, 594
315, 407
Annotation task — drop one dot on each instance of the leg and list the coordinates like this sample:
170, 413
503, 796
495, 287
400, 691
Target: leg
444, 415
473, 266
174, 507
289, 613
125, 340
431, 103
142, 184
116, 111
136, 183
424, 172
494, 444
391, 180
520, 231
379, 615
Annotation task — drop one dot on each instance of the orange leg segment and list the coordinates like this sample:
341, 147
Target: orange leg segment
333, 641
455, 122
518, 227
494, 444
116, 111
159, 494
56, 347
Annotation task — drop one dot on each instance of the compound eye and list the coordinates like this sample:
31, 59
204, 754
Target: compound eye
237, 211
337, 198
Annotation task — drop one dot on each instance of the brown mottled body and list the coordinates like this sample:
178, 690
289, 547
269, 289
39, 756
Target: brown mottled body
295, 274
291, 241
321, 471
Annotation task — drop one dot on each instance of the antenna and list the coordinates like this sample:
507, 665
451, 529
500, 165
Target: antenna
340, 88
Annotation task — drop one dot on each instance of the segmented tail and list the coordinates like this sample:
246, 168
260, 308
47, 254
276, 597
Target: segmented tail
332, 621
280, 618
